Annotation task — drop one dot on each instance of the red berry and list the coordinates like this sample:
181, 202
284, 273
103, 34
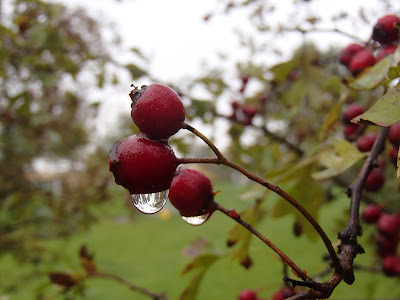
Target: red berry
191, 192
352, 111
249, 110
387, 245
389, 224
393, 155
385, 30
365, 142
157, 110
247, 294
360, 61
394, 134
346, 54
350, 129
390, 265
371, 213
279, 295
385, 51
375, 180
142, 165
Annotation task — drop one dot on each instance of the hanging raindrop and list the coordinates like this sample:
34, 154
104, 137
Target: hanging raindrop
150, 203
197, 220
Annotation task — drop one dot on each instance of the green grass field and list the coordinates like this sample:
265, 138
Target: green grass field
146, 250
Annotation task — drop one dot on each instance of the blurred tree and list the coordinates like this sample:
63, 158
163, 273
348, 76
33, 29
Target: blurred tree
48, 54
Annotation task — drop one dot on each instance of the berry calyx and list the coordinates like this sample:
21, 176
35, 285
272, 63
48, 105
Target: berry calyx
385, 30
365, 142
142, 165
371, 213
157, 110
394, 134
247, 294
347, 53
375, 180
191, 193
360, 61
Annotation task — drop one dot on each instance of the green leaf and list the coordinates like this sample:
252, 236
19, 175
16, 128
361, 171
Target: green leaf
338, 159
203, 263
385, 112
373, 76
136, 72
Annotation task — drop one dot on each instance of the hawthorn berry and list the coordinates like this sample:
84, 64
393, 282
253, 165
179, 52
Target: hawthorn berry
347, 53
360, 61
157, 110
365, 142
391, 265
394, 134
371, 213
385, 30
375, 180
385, 51
191, 193
387, 245
350, 129
389, 224
247, 294
393, 155
352, 111
142, 165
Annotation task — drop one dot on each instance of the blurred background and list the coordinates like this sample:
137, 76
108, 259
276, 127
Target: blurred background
66, 68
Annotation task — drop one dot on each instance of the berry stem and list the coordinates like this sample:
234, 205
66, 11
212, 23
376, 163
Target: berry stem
130, 285
258, 234
274, 188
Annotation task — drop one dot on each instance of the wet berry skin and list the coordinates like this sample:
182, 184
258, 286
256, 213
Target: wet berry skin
157, 110
191, 192
142, 165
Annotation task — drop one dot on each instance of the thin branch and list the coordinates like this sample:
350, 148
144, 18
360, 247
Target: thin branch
325, 30
236, 217
274, 188
349, 247
130, 285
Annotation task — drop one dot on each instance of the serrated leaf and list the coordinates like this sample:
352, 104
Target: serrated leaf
238, 234
372, 77
338, 159
385, 112
202, 262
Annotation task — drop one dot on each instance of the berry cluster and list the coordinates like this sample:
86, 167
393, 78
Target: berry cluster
146, 165
243, 113
385, 37
388, 226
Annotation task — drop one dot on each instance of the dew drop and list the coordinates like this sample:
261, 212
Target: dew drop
150, 203
197, 220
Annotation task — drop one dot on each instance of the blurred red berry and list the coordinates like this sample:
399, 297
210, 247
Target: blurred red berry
347, 53
375, 180
371, 213
360, 61
394, 134
385, 30
385, 51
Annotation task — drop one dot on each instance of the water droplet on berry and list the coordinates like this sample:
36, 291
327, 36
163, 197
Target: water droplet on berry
150, 203
197, 220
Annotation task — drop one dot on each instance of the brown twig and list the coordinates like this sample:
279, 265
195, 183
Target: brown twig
236, 217
274, 188
130, 285
349, 247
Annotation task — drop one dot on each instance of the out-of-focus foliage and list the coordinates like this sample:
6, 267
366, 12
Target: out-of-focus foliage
47, 54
